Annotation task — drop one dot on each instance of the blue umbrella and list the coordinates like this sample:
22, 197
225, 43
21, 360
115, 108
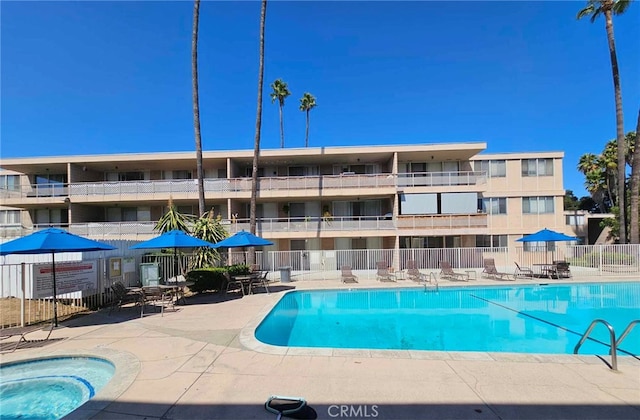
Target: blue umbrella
242, 239
547, 235
173, 239
52, 240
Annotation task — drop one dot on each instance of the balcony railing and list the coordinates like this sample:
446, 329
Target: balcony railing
313, 224
224, 185
434, 179
443, 221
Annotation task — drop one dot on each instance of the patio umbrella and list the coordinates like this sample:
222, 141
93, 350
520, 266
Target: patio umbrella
52, 240
242, 239
547, 235
173, 239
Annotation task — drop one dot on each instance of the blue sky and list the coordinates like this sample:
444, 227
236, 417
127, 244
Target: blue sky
115, 77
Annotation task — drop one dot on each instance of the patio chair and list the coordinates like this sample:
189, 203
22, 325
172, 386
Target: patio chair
491, 271
123, 296
522, 271
22, 332
259, 279
346, 276
562, 269
446, 272
233, 283
383, 273
413, 273
154, 295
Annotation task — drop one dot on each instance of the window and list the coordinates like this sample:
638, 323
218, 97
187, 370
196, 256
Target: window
491, 241
575, 220
537, 167
182, 175
9, 217
10, 182
539, 246
493, 168
494, 205
537, 205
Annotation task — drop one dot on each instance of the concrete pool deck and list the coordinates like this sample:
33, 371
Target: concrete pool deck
200, 362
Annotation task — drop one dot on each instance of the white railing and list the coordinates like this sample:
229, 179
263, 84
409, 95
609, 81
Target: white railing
432, 179
314, 224
223, 185
113, 230
617, 261
443, 221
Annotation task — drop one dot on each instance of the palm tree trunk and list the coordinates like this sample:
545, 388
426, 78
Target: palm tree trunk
256, 148
196, 106
281, 127
635, 189
619, 126
306, 134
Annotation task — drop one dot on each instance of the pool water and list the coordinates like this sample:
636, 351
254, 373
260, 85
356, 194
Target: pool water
522, 319
50, 388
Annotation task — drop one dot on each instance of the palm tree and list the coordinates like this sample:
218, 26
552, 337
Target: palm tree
209, 228
280, 92
307, 103
174, 220
256, 147
634, 236
595, 8
196, 105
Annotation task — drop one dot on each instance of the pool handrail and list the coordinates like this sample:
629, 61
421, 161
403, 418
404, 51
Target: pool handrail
612, 336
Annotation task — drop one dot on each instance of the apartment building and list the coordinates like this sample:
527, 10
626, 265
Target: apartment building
329, 198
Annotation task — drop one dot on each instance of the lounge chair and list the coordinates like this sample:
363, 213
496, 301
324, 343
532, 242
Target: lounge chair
383, 273
346, 276
491, 271
22, 332
413, 273
446, 272
522, 271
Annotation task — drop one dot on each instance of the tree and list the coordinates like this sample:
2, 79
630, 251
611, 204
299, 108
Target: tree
307, 103
174, 220
634, 226
595, 8
256, 147
208, 228
570, 201
280, 92
196, 105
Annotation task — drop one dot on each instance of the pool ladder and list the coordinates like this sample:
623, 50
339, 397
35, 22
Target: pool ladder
433, 280
612, 336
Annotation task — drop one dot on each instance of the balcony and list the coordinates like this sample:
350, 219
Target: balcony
439, 179
443, 221
315, 224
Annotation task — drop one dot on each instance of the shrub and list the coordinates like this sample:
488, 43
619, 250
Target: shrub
212, 278
593, 259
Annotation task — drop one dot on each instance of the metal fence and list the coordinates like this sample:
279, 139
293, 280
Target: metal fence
17, 307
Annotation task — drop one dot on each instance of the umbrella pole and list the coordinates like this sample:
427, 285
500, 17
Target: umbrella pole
175, 263
55, 292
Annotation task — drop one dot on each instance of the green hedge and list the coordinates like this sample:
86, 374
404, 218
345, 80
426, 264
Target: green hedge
212, 278
593, 259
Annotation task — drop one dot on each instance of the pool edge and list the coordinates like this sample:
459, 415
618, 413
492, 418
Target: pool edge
249, 341
127, 367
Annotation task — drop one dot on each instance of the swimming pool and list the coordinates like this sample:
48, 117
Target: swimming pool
522, 319
50, 388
